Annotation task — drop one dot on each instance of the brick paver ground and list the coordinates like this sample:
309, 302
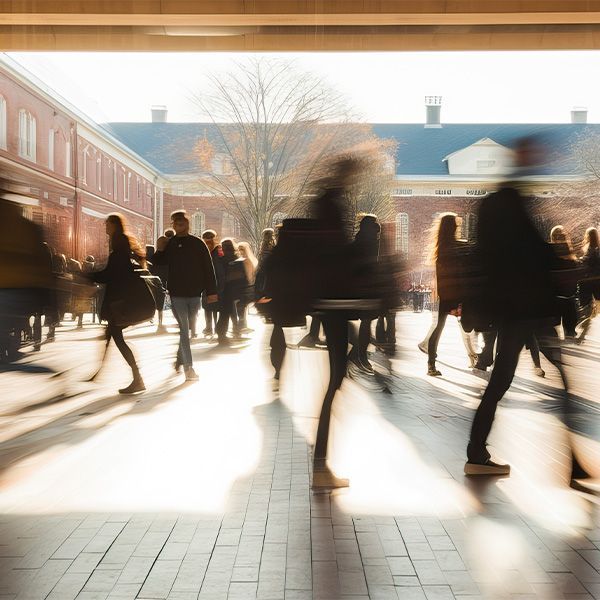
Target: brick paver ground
203, 490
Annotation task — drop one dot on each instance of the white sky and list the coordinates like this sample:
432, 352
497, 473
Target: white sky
502, 87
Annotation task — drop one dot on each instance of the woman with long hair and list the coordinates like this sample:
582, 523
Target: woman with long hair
125, 250
235, 283
446, 251
250, 265
589, 286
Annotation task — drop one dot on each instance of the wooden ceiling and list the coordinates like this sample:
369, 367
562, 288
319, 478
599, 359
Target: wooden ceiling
298, 25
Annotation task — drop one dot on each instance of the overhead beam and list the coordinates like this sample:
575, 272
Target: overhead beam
122, 39
299, 20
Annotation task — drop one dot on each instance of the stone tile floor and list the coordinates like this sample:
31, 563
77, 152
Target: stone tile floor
202, 490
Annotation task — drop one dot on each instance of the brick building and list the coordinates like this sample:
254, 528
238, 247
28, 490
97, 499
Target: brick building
68, 172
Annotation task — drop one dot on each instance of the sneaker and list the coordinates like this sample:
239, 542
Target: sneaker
190, 374
422, 346
136, 386
433, 372
487, 468
539, 372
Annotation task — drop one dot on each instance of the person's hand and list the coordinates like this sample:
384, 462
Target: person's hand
263, 300
212, 298
161, 243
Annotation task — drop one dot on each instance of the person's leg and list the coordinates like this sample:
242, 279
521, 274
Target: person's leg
434, 338
223, 322
137, 385
470, 344
550, 347
179, 306
336, 331
278, 349
193, 318
486, 356
534, 350
511, 340
208, 320
37, 331
312, 337
364, 339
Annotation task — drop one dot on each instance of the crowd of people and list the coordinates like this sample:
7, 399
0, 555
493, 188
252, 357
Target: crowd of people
509, 289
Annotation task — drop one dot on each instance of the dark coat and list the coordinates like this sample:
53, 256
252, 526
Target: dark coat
118, 272
516, 261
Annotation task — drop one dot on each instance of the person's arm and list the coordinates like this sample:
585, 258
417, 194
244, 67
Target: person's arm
161, 255
208, 271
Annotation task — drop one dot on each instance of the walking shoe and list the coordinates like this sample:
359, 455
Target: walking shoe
207, 332
489, 467
136, 386
190, 374
433, 372
422, 346
540, 372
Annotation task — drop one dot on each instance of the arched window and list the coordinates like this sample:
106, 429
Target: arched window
27, 135
99, 172
51, 137
68, 159
84, 164
197, 223
2, 122
470, 227
402, 233
229, 226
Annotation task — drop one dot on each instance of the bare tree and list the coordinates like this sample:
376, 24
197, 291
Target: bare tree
273, 128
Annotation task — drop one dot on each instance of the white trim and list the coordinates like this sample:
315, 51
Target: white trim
486, 141
26, 200
3, 132
93, 213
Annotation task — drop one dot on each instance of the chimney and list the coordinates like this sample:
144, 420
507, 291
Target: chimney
579, 114
159, 114
433, 107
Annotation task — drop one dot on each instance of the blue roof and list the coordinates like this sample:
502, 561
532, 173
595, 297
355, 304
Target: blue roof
421, 150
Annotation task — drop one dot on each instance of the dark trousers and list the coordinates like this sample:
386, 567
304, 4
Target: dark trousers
227, 313
336, 332
278, 348
210, 317
512, 337
434, 338
115, 333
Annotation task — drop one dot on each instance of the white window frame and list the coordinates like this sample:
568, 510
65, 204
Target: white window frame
402, 233
27, 135
68, 159
3, 135
99, 172
198, 223
51, 137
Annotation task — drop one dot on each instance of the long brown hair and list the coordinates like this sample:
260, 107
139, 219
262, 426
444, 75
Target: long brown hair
121, 235
443, 235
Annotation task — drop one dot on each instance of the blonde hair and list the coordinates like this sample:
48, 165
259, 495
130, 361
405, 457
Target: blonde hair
443, 234
245, 250
590, 240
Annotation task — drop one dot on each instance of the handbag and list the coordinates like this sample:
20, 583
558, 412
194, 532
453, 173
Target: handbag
135, 303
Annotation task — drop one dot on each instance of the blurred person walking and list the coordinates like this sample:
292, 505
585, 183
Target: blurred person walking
250, 266
191, 272
447, 254
211, 310
519, 298
162, 272
120, 307
233, 290
589, 285
25, 277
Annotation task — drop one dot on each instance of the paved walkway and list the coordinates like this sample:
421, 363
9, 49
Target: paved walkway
202, 490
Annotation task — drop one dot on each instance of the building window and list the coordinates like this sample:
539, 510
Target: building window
27, 135
126, 184
402, 233
51, 136
197, 223
99, 173
470, 227
138, 188
2, 122
403, 192
68, 160
229, 226
84, 164
485, 164
115, 183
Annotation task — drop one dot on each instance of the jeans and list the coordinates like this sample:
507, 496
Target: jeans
185, 310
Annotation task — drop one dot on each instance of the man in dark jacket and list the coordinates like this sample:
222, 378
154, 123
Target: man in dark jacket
519, 300
211, 309
191, 272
